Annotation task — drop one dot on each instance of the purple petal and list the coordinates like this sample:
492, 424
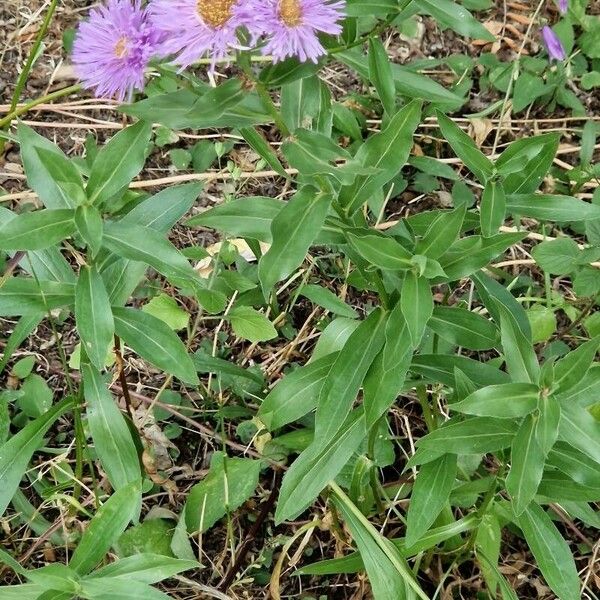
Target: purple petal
553, 44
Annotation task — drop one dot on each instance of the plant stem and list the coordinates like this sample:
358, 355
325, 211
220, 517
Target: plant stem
22, 80
427, 413
263, 93
16, 112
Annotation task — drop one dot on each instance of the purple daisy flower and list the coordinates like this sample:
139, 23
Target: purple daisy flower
563, 6
113, 48
555, 48
291, 27
194, 28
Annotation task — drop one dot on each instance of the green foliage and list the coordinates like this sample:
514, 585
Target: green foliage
491, 371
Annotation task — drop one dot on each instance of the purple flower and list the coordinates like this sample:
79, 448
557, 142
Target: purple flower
553, 44
291, 27
563, 6
113, 47
194, 28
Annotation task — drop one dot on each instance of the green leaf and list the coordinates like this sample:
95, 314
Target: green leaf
251, 324
93, 315
551, 207
492, 208
37, 230
491, 292
205, 363
26, 591
441, 368
105, 528
504, 401
580, 429
389, 573
442, 233
294, 229
36, 396
417, 305
572, 368
21, 296
316, 466
386, 151
380, 250
21, 331
527, 465
40, 180
429, 495
229, 483
380, 73
153, 340
552, 554
118, 162
64, 173
574, 463
464, 147
557, 257
328, 300
477, 435
525, 162
462, 327
296, 394
144, 567
148, 246
112, 438
17, 452
347, 374
408, 83
117, 589
152, 535
166, 309
244, 217
457, 17
90, 227
386, 376
521, 360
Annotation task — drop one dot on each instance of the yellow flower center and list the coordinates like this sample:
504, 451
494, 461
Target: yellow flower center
122, 49
215, 13
290, 12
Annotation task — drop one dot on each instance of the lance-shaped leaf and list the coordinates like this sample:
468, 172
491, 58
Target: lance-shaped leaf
22, 296
547, 207
294, 229
148, 246
380, 72
441, 233
521, 360
380, 250
112, 437
416, 300
505, 401
527, 465
551, 552
465, 148
463, 328
93, 316
347, 375
429, 495
492, 208
386, 151
118, 162
389, 573
316, 466
105, 528
17, 452
155, 341
37, 230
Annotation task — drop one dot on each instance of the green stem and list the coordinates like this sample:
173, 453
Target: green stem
32, 55
263, 94
424, 402
22, 80
17, 112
